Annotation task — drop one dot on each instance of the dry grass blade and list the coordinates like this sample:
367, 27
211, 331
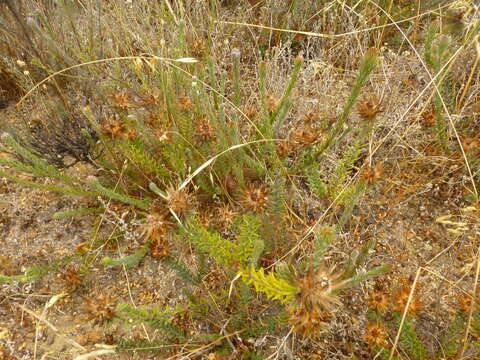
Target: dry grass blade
51, 326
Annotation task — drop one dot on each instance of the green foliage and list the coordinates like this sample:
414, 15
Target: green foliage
155, 317
35, 273
452, 339
249, 244
136, 152
411, 342
130, 260
414, 347
316, 182
242, 251
273, 228
350, 197
437, 52
324, 236
366, 68
114, 195
182, 270
76, 212
267, 325
271, 285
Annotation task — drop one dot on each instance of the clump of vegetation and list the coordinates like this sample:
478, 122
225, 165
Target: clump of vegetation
218, 147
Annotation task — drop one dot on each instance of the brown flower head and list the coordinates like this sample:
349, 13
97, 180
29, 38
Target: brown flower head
205, 129
152, 99
163, 136
470, 143
272, 103
131, 134
428, 118
379, 301
250, 110
285, 148
185, 103
318, 290
113, 128
255, 197
198, 47
306, 134
179, 200
160, 248
369, 108
465, 303
308, 323
226, 214
121, 100
372, 174
401, 300
100, 308
71, 278
156, 225
376, 334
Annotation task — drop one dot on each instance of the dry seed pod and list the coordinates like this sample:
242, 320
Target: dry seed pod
113, 128
255, 197
369, 108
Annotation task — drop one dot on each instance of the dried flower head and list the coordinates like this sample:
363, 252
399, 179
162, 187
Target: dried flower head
113, 127
226, 214
428, 118
163, 136
121, 100
250, 110
318, 290
470, 143
198, 47
465, 303
369, 108
180, 200
131, 134
152, 99
376, 334
255, 197
316, 299
307, 323
155, 227
100, 308
401, 299
305, 134
185, 103
285, 148
152, 119
72, 278
372, 174
272, 103
160, 248
379, 301
205, 129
